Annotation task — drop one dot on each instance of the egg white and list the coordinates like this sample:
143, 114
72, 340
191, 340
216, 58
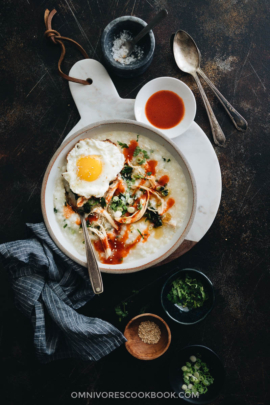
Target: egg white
112, 163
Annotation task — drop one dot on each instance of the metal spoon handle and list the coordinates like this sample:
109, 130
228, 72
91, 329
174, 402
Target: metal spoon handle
156, 20
218, 135
92, 265
239, 122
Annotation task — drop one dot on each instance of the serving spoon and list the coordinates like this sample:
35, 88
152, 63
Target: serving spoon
156, 20
188, 58
92, 265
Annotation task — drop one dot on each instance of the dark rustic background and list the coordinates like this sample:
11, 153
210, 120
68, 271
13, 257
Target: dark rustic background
37, 111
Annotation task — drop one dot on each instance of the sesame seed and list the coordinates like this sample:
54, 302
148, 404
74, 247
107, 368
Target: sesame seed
149, 332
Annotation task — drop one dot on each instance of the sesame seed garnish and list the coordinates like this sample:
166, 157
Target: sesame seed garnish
149, 332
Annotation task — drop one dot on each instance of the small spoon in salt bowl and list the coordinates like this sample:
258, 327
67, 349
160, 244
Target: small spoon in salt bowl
129, 45
188, 58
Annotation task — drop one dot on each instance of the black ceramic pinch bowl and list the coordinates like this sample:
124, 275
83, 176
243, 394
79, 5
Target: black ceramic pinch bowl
147, 43
194, 315
214, 364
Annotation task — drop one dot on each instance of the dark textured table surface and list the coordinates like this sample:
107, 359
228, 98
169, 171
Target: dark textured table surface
37, 111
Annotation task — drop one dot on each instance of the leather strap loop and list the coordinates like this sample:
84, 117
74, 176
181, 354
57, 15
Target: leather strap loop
57, 39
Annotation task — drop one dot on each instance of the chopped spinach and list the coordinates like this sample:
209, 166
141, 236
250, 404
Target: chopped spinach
55, 210
163, 190
91, 203
87, 207
126, 172
102, 202
154, 217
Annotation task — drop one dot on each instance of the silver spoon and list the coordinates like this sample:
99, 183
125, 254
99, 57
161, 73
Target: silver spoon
239, 122
156, 20
191, 50
188, 60
92, 265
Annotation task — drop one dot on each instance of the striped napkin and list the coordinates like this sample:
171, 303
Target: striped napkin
48, 288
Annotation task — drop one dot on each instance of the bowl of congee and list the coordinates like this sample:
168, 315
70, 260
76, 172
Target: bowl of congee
134, 187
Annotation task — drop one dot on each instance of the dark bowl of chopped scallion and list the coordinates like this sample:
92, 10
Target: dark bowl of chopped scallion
196, 374
188, 296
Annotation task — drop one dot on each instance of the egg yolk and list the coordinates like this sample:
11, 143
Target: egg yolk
89, 168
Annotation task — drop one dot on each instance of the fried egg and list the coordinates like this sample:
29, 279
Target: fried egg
91, 166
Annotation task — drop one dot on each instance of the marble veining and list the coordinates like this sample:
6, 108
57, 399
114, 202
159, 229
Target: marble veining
100, 101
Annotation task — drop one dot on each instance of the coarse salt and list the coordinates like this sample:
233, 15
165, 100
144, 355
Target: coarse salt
119, 51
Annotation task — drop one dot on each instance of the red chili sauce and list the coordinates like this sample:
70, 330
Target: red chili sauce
150, 166
169, 205
163, 180
128, 152
165, 109
119, 246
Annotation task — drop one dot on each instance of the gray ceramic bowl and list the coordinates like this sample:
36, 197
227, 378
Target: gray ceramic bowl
54, 171
147, 43
194, 315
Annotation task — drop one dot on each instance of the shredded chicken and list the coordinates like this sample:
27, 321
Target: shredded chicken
167, 220
81, 201
170, 222
104, 213
101, 233
152, 181
152, 209
111, 190
139, 169
162, 206
137, 215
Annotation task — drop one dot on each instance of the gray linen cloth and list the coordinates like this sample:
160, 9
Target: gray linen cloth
48, 288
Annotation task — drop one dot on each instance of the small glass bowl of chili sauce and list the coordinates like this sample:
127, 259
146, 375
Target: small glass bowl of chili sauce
167, 104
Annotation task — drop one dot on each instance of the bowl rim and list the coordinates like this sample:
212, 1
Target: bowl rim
168, 333
220, 361
176, 128
212, 291
110, 60
80, 133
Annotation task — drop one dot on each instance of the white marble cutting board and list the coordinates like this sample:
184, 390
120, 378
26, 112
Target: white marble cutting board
100, 101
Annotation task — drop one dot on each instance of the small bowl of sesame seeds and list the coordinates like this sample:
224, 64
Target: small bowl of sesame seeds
112, 40
148, 337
